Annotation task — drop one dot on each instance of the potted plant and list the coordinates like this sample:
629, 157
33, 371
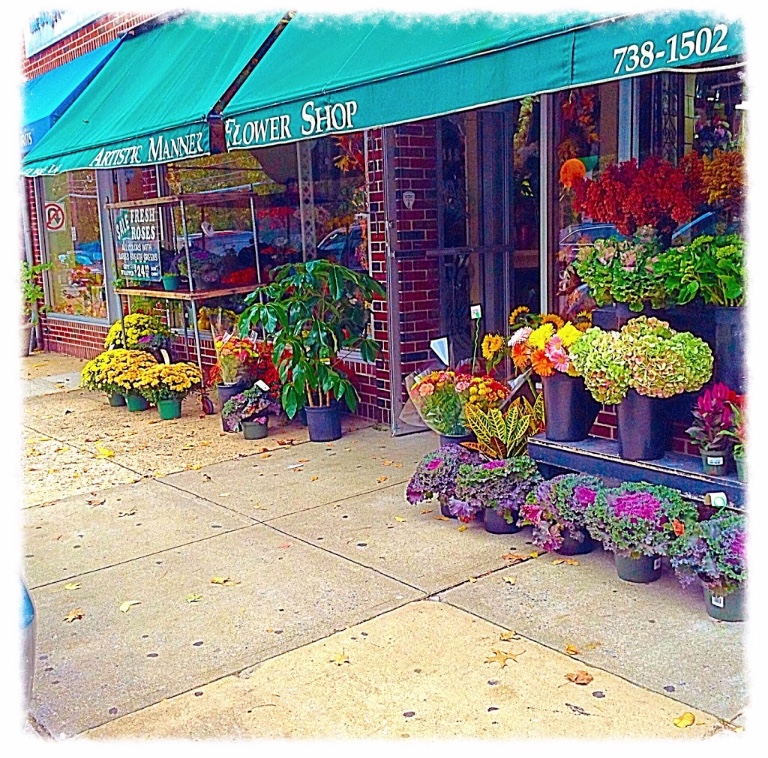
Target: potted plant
436, 473
249, 411
556, 510
31, 296
127, 332
637, 521
128, 377
636, 368
230, 373
167, 384
713, 427
207, 268
570, 409
498, 488
714, 551
99, 373
739, 434
441, 398
171, 275
312, 311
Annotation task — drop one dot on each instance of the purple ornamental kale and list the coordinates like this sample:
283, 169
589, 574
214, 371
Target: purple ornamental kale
436, 474
637, 505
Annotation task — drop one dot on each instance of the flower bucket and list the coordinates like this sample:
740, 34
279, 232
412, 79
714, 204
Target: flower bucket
116, 400
169, 409
569, 409
715, 462
170, 282
573, 546
136, 403
730, 338
496, 524
726, 607
324, 423
642, 426
253, 430
642, 570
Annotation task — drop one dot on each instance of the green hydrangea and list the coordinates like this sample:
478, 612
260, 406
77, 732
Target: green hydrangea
598, 357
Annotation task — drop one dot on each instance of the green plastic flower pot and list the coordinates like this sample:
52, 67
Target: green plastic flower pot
170, 282
169, 409
136, 403
253, 430
642, 570
116, 400
726, 607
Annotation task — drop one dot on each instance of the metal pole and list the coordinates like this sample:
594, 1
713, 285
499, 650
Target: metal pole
257, 259
546, 155
186, 245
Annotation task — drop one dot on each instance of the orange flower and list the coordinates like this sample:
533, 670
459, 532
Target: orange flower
572, 170
541, 364
521, 355
678, 527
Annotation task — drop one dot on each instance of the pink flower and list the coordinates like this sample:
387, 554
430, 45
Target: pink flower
461, 386
520, 336
559, 359
426, 389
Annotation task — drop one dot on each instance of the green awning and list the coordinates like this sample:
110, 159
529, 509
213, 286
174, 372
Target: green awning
342, 74
150, 102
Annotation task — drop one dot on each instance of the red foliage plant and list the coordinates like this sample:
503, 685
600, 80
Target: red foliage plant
655, 193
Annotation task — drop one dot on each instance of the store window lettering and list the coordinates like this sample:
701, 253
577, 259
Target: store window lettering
163, 150
327, 118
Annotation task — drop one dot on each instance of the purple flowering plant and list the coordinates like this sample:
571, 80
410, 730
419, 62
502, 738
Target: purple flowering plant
502, 485
638, 518
714, 551
557, 507
437, 472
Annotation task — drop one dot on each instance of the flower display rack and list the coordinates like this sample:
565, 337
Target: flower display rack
600, 457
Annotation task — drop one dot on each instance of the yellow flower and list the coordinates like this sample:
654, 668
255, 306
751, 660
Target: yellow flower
568, 334
540, 336
552, 318
517, 312
492, 343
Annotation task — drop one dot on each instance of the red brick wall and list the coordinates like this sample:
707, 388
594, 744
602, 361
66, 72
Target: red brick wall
100, 31
73, 337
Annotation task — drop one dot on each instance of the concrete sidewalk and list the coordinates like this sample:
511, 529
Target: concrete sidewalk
337, 609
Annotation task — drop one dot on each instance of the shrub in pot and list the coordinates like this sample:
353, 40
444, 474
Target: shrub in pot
312, 311
498, 488
556, 510
639, 522
167, 384
635, 368
436, 474
712, 427
32, 296
119, 372
249, 411
714, 552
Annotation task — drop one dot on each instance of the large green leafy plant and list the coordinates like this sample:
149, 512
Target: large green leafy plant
709, 268
312, 311
31, 289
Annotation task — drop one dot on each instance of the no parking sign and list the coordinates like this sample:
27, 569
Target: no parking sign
54, 217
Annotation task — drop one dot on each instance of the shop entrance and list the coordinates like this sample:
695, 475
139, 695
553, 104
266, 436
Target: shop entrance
488, 218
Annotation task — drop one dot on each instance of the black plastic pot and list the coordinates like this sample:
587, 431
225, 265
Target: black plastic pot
573, 546
253, 430
496, 524
324, 423
730, 336
612, 317
226, 391
445, 440
642, 570
446, 512
643, 427
730, 607
715, 462
569, 408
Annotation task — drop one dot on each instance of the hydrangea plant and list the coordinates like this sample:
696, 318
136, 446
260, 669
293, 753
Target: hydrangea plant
502, 485
639, 518
437, 472
598, 357
557, 508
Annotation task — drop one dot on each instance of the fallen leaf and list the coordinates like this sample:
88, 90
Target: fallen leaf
96, 501
158, 474
382, 479
441, 518
509, 579
501, 657
462, 528
571, 562
195, 467
284, 545
313, 478
265, 455
388, 463
206, 478
193, 598
303, 460
580, 677
126, 606
121, 514
472, 579
72, 586
592, 645
224, 494
508, 636
340, 658
514, 558
154, 421
571, 650
207, 443
77, 613
534, 555
558, 561
427, 510
225, 580
687, 719
399, 518
103, 452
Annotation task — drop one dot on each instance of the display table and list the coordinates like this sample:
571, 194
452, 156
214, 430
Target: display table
197, 295
600, 457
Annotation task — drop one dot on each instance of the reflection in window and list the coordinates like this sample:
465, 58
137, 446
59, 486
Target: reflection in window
73, 244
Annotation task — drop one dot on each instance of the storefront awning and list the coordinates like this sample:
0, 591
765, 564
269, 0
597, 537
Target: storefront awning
151, 100
46, 97
342, 74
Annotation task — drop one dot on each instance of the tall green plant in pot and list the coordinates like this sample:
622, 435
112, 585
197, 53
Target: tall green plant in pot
312, 311
31, 296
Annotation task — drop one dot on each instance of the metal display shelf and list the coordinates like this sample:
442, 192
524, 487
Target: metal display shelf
197, 295
600, 457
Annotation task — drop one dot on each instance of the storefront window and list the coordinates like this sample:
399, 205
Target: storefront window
585, 142
73, 244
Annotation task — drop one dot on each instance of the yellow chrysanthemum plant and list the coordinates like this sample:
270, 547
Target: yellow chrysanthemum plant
104, 372
128, 372
169, 381
141, 331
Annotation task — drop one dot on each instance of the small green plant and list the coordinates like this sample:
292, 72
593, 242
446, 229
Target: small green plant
32, 290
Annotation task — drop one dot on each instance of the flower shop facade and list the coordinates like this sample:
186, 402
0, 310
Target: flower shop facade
439, 157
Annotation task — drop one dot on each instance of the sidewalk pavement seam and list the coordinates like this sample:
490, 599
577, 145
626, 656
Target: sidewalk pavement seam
583, 660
